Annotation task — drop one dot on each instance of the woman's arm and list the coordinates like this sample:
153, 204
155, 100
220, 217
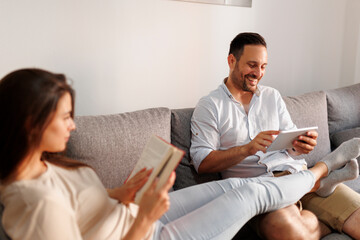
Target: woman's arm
154, 203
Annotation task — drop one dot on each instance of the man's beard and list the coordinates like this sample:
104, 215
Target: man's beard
245, 86
241, 82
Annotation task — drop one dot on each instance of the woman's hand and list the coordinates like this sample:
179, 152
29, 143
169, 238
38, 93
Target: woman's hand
126, 193
155, 202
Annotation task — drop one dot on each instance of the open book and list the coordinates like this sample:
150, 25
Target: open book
162, 157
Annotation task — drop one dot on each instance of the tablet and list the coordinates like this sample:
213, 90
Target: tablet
285, 138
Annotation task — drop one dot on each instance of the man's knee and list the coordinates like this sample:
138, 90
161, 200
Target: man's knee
289, 223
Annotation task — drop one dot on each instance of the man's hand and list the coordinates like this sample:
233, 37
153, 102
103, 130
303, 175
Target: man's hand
126, 193
261, 142
305, 144
220, 160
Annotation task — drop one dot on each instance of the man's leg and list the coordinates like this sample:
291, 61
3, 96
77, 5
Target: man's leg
351, 225
223, 216
291, 223
340, 210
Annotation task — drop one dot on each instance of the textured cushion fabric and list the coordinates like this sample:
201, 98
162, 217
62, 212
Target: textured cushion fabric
343, 108
181, 138
310, 110
344, 135
354, 184
112, 144
337, 236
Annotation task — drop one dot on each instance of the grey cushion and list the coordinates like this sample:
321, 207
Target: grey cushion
354, 184
344, 108
181, 138
112, 144
342, 136
337, 236
310, 110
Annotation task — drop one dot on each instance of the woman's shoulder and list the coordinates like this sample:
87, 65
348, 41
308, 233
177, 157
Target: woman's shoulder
53, 184
75, 176
28, 193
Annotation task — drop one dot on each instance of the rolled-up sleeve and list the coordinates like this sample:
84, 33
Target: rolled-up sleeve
205, 133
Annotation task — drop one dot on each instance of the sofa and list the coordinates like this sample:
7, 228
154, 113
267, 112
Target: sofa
112, 144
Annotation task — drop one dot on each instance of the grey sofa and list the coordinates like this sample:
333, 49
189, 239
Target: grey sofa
111, 144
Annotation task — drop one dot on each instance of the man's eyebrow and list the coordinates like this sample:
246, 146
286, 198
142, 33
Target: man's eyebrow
255, 62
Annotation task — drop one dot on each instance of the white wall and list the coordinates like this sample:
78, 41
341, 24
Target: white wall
126, 55
305, 43
350, 68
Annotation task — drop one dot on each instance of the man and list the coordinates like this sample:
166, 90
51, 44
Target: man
233, 126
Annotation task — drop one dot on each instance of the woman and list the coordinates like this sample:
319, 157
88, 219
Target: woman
47, 196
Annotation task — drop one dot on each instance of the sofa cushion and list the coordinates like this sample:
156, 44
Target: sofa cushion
337, 236
112, 144
310, 110
344, 135
343, 108
354, 184
181, 138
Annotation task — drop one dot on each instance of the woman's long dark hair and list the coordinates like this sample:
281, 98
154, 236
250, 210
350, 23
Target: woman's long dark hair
28, 100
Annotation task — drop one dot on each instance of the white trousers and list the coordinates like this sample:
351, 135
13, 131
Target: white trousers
217, 210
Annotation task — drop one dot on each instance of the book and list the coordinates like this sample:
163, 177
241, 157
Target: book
160, 156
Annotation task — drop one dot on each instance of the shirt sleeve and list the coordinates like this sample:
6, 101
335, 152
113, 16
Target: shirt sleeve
205, 134
47, 219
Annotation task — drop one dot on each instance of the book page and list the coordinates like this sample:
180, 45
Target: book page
162, 157
171, 164
154, 152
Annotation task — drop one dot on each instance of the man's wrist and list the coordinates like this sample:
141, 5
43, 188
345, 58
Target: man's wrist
244, 151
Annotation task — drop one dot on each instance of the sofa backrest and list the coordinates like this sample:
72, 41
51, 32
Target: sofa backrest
344, 114
112, 144
343, 108
307, 110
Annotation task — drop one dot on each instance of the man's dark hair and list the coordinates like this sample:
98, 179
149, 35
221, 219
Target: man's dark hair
247, 38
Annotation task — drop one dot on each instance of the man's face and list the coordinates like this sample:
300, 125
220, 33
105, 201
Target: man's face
249, 69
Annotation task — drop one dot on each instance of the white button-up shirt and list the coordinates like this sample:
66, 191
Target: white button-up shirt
219, 122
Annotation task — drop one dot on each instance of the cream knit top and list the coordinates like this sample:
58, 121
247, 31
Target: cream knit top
64, 204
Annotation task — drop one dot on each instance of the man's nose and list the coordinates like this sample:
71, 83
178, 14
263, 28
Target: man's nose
257, 72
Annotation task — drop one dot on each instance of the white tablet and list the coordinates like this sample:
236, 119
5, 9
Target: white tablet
285, 138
